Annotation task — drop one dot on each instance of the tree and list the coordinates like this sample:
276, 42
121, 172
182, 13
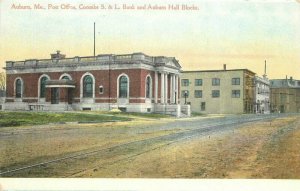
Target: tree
2, 80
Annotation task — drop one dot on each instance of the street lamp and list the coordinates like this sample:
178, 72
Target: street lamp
185, 95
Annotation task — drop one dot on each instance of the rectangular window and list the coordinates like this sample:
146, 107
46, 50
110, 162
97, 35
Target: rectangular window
101, 90
123, 109
215, 93
183, 92
235, 81
216, 81
198, 93
202, 106
198, 82
185, 82
236, 94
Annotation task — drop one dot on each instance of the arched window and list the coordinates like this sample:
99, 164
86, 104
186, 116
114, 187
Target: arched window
123, 87
43, 86
18, 88
148, 87
65, 78
87, 86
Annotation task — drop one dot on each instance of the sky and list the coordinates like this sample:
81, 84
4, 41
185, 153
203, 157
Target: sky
240, 34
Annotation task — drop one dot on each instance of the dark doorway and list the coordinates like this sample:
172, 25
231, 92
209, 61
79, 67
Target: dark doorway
54, 95
70, 95
282, 109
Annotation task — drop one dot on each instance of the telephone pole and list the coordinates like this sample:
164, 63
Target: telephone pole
94, 39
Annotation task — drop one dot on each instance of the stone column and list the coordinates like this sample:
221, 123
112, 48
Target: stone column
166, 88
162, 88
171, 88
176, 88
155, 87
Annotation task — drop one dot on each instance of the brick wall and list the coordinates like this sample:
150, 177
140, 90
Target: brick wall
103, 78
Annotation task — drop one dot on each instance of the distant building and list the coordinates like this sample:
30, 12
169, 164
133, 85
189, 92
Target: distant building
285, 95
132, 82
219, 91
262, 94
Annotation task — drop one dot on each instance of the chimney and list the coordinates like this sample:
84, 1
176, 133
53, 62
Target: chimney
58, 55
224, 66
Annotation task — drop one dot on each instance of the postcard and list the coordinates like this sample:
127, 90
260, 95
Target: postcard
149, 95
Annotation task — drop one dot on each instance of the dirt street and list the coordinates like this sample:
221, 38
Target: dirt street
186, 148
256, 150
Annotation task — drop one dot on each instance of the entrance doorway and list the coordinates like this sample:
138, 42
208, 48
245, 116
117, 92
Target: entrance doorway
54, 95
70, 95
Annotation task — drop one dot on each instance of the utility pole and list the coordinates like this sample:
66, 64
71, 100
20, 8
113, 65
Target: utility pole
265, 72
94, 39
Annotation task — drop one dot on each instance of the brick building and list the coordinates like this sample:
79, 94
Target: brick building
285, 95
132, 82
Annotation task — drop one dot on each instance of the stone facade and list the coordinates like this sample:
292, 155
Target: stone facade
132, 82
218, 91
285, 95
262, 95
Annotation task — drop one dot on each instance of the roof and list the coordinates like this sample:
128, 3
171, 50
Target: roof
191, 71
170, 62
285, 83
59, 83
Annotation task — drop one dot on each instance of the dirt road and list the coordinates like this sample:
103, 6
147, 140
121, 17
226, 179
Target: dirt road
215, 147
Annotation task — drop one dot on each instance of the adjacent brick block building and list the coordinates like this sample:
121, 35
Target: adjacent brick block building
285, 95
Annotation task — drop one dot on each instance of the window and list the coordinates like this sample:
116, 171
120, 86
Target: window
65, 78
123, 87
88, 86
235, 94
101, 90
18, 88
202, 106
216, 81
183, 93
43, 87
185, 82
235, 81
215, 93
198, 82
198, 93
148, 87
123, 109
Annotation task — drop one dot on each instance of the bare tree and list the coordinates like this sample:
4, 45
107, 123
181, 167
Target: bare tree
2, 80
